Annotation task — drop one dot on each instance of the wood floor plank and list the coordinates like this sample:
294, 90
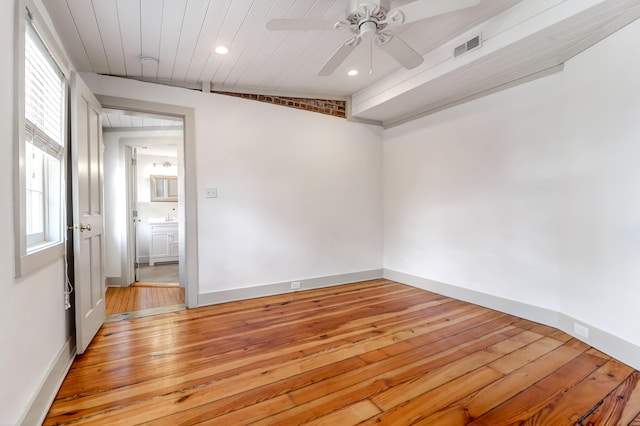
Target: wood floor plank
376, 352
339, 392
110, 301
130, 299
228, 321
511, 384
209, 409
621, 406
151, 374
240, 382
350, 415
404, 366
525, 355
535, 398
403, 392
151, 365
434, 400
572, 405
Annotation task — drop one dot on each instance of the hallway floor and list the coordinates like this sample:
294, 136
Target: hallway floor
140, 297
159, 273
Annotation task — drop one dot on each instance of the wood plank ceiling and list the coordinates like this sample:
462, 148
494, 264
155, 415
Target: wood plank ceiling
110, 36
124, 120
519, 38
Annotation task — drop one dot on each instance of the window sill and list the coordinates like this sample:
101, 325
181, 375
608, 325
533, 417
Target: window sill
38, 258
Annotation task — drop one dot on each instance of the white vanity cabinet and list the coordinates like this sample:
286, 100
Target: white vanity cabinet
163, 242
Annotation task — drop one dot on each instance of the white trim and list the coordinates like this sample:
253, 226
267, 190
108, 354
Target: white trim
223, 296
116, 281
35, 260
27, 261
523, 310
613, 346
43, 398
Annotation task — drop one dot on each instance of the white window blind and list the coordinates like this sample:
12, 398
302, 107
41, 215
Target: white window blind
44, 97
44, 115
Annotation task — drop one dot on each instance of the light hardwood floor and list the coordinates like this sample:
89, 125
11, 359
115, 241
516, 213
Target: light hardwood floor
159, 273
376, 352
137, 298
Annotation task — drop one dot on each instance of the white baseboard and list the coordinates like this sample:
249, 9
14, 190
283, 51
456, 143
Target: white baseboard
610, 344
522, 310
216, 297
115, 282
43, 399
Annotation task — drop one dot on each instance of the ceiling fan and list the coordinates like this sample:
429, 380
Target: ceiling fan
369, 19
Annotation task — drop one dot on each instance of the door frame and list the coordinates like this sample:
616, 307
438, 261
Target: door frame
187, 210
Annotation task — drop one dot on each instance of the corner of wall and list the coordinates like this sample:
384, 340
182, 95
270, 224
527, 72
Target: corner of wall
39, 406
613, 346
223, 296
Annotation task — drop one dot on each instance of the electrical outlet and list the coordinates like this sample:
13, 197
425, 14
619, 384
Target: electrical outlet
581, 330
295, 285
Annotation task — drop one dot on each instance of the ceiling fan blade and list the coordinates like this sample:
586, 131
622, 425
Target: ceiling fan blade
300, 24
423, 9
395, 47
339, 56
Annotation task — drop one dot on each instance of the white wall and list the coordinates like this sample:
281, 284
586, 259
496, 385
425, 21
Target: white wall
600, 217
115, 196
529, 194
471, 195
299, 194
34, 323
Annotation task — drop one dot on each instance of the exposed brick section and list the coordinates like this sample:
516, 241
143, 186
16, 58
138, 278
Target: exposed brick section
322, 106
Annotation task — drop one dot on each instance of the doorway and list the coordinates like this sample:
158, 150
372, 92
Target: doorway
144, 174
155, 201
187, 212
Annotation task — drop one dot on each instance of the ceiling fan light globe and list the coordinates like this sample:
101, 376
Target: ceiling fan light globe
368, 30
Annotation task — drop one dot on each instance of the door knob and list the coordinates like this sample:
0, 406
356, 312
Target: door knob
86, 227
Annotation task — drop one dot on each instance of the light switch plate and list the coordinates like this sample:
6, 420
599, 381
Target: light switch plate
212, 193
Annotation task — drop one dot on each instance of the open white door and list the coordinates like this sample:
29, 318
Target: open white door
88, 225
133, 193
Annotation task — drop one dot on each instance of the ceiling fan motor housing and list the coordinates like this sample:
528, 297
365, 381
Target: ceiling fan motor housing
364, 16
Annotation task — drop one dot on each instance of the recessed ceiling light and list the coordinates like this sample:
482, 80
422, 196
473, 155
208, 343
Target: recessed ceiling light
352, 73
221, 50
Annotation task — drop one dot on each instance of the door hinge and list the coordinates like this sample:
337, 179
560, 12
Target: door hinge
135, 214
134, 162
136, 265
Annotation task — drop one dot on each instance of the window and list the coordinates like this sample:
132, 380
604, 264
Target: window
41, 150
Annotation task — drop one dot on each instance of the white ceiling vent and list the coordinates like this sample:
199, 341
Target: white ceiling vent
467, 46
